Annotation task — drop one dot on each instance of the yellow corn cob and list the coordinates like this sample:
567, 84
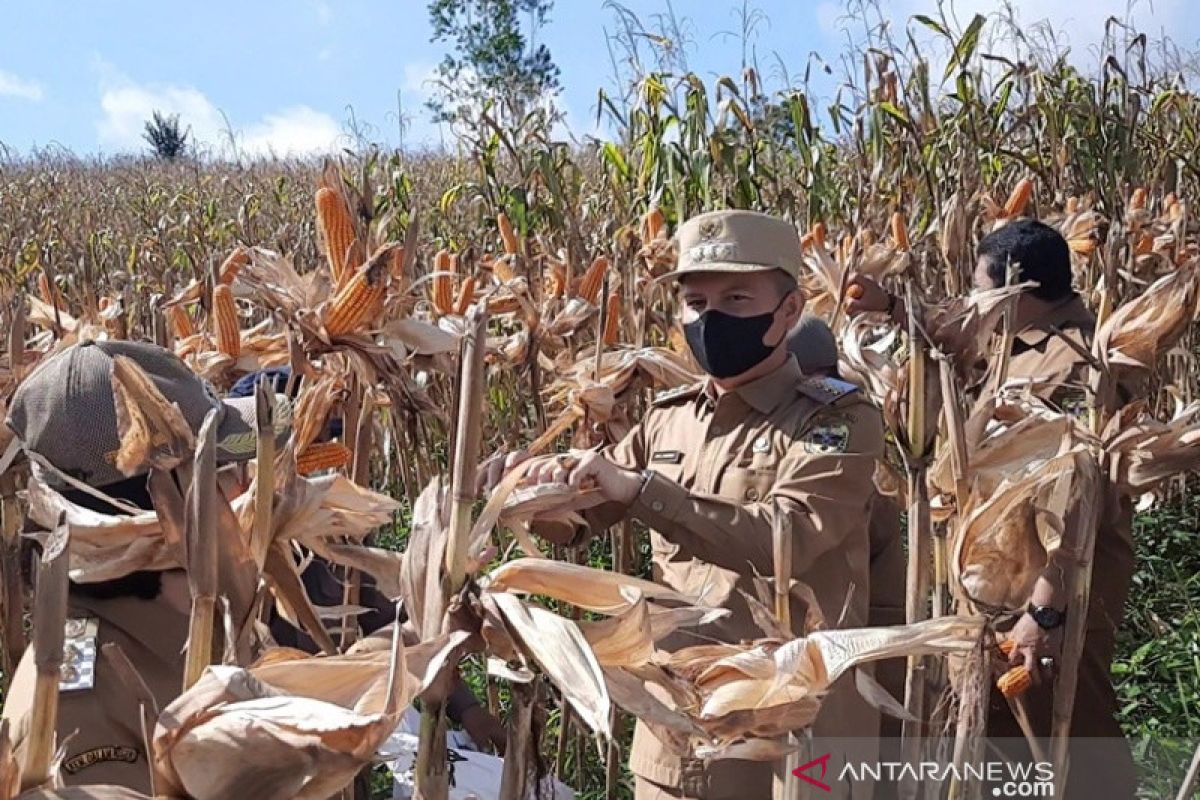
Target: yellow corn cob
396, 263
442, 290
847, 247
1144, 245
558, 280
1072, 205
337, 227
1138, 199
225, 321
819, 232
593, 279
1015, 205
466, 293
503, 305
354, 259
612, 319
507, 235
181, 323
322, 456
359, 299
653, 224
502, 268
1015, 682
1006, 646
233, 265
1085, 246
806, 241
899, 233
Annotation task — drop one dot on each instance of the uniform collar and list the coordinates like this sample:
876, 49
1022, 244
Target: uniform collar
767, 393
1070, 313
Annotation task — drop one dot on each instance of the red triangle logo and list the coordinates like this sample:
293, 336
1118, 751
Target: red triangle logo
823, 762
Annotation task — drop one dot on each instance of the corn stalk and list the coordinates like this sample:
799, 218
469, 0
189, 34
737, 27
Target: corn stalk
786, 784
49, 620
202, 545
919, 542
430, 772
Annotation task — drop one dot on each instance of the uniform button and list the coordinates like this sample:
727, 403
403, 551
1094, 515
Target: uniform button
752, 493
657, 505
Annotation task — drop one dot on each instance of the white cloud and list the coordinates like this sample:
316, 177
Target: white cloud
21, 88
295, 131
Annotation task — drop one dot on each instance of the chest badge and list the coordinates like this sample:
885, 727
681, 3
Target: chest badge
78, 671
667, 457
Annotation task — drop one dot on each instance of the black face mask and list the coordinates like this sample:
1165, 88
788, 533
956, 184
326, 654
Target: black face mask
725, 345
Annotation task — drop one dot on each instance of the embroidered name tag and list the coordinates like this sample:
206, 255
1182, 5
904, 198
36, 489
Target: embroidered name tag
667, 457
98, 755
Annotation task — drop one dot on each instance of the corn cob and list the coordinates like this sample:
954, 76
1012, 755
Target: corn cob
855, 292
1084, 246
507, 235
1072, 204
466, 293
1144, 245
225, 321
1015, 205
181, 323
1015, 682
1138, 199
503, 305
359, 299
806, 241
612, 320
502, 269
396, 264
819, 232
337, 227
239, 258
653, 224
899, 233
442, 290
593, 279
847, 247
322, 456
558, 279
1006, 646
354, 259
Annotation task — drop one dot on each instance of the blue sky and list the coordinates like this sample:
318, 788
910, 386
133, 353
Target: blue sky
283, 75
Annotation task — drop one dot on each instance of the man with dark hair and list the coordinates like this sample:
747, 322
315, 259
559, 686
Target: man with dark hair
714, 468
1052, 327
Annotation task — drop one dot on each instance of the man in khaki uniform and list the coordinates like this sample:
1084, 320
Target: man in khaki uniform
64, 416
714, 467
1053, 325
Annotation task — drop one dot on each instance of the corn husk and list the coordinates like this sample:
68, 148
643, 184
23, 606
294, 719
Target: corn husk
153, 431
590, 589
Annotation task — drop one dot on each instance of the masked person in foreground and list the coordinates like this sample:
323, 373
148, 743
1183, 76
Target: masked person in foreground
713, 468
1052, 326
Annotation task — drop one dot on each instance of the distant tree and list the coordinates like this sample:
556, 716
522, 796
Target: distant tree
492, 60
165, 135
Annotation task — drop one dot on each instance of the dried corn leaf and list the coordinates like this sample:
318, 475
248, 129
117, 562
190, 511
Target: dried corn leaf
590, 589
153, 432
560, 650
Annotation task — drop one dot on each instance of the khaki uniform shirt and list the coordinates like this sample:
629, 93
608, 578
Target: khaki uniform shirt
1058, 374
721, 472
100, 715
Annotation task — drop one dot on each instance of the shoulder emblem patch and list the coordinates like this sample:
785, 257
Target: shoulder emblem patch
826, 438
78, 670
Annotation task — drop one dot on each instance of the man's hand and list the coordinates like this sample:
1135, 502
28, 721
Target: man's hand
579, 469
485, 730
492, 471
1032, 643
865, 294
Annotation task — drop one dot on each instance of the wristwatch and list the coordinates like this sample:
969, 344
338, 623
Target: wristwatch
1047, 617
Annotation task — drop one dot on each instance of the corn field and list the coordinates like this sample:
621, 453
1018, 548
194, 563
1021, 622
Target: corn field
499, 297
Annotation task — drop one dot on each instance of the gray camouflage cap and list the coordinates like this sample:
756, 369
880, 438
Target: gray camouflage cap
64, 411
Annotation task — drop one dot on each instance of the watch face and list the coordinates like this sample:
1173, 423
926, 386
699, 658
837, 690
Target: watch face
1046, 617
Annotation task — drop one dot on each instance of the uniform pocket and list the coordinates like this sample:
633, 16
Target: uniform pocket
747, 484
